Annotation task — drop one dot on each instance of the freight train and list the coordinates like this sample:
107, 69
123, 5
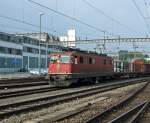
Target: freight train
74, 66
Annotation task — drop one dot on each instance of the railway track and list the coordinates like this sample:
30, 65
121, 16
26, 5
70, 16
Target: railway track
13, 92
123, 111
18, 80
133, 115
145, 117
18, 83
61, 118
26, 91
19, 106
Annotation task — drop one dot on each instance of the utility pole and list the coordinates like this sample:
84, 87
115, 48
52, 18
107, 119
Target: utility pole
134, 48
39, 65
46, 55
104, 43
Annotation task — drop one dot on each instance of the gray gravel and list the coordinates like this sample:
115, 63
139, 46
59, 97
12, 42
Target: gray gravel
113, 96
16, 75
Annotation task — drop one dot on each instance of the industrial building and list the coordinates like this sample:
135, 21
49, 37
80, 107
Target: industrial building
19, 52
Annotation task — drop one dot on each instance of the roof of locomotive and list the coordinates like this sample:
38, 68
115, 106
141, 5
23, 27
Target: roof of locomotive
76, 51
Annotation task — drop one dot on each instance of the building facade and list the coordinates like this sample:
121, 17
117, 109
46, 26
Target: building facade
10, 53
21, 52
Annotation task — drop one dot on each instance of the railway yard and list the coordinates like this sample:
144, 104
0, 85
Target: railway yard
69, 61
35, 101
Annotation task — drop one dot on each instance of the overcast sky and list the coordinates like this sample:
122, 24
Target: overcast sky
123, 11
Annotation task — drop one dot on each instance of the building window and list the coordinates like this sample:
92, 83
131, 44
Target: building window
29, 50
9, 51
43, 52
8, 38
3, 62
24, 49
2, 50
18, 52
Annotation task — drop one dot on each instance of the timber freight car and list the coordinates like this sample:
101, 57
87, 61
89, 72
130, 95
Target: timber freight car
71, 67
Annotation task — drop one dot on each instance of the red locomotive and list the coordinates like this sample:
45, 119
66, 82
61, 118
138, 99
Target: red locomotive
70, 67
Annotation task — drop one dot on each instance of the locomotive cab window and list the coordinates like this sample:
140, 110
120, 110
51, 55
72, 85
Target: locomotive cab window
53, 59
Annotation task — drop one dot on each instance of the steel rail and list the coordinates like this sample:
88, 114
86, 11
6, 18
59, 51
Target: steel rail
18, 80
136, 118
100, 115
61, 117
33, 104
129, 113
27, 92
25, 84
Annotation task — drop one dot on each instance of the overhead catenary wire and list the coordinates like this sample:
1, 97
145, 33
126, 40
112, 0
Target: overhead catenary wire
17, 28
109, 17
27, 23
140, 12
23, 10
17, 20
146, 8
72, 18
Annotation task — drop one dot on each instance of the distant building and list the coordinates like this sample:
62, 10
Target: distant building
63, 38
45, 37
22, 51
70, 39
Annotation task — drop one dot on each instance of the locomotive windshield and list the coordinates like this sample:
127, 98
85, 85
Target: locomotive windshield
61, 59
65, 59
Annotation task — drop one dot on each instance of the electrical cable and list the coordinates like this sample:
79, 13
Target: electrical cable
70, 17
109, 17
27, 23
140, 12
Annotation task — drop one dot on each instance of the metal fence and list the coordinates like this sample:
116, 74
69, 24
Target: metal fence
16, 65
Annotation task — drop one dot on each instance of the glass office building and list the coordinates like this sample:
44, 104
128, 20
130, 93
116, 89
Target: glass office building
17, 52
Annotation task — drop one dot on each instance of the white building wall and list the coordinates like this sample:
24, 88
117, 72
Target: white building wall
71, 38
